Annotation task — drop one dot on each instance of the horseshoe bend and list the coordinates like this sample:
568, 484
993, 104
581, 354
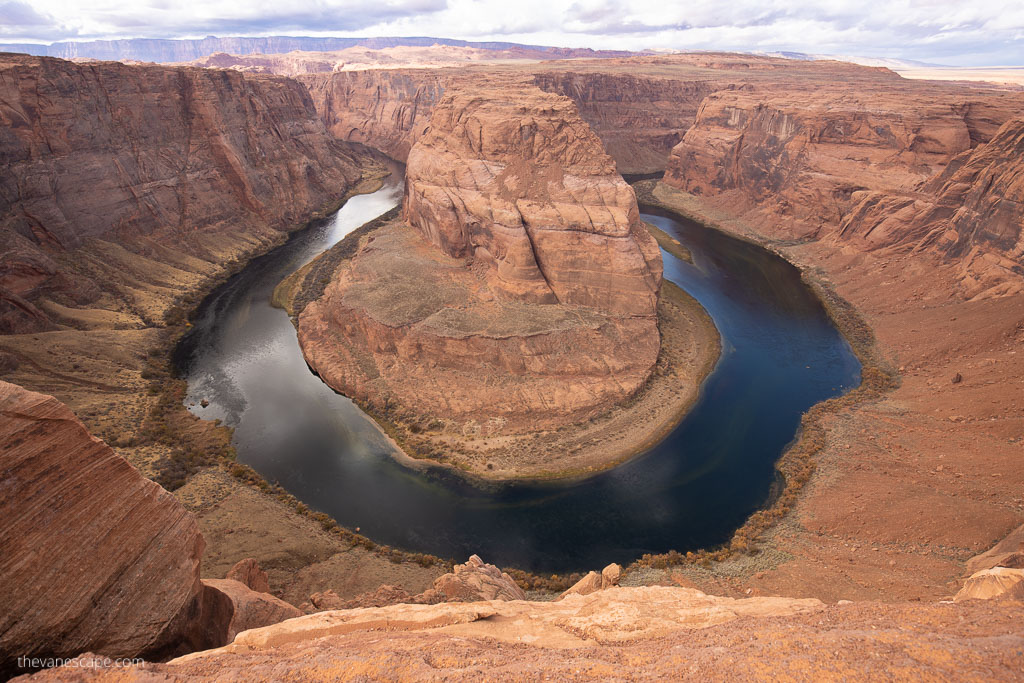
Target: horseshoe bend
287, 337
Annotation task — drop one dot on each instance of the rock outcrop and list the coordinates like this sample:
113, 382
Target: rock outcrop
141, 169
525, 248
475, 581
972, 213
385, 109
515, 179
655, 633
998, 582
93, 556
228, 607
593, 581
248, 572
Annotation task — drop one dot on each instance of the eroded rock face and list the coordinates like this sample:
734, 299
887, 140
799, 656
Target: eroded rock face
971, 213
514, 178
163, 162
882, 169
93, 556
526, 249
387, 109
639, 119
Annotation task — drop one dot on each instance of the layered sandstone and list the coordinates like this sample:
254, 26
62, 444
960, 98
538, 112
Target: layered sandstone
117, 175
515, 179
972, 214
881, 168
525, 247
385, 109
93, 556
638, 118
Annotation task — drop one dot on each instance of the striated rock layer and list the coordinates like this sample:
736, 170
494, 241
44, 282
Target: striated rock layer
162, 162
972, 213
884, 168
525, 250
93, 556
515, 179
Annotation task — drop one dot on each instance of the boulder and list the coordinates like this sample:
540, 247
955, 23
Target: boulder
93, 555
475, 581
229, 607
248, 572
998, 582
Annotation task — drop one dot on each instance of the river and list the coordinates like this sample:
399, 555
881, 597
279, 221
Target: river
781, 354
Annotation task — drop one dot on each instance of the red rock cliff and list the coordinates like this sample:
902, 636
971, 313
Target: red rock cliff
972, 213
514, 178
148, 158
93, 556
386, 109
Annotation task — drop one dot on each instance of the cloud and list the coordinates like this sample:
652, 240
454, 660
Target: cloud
948, 31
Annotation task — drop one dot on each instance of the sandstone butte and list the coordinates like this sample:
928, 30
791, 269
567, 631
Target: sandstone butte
521, 293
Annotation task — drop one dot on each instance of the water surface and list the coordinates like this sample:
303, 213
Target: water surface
781, 354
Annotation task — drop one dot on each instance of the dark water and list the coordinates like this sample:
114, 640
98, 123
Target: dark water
781, 355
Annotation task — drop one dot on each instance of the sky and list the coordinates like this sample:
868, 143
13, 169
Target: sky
982, 32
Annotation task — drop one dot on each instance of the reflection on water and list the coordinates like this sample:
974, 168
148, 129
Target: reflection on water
781, 355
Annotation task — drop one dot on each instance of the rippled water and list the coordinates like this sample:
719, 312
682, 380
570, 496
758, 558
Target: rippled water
781, 354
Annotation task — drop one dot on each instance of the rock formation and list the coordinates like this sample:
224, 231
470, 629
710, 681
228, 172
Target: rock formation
516, 180
248, 572
998, 582
386, 109
972, 213
93, 556
593, 582
525, 248
656, 633
885, 168
474, 581
639, 119
228, 607
170, 167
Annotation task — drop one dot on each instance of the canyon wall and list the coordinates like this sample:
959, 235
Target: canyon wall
972, 214
639, 119
836, 165
161, 162
523, 248
385, 109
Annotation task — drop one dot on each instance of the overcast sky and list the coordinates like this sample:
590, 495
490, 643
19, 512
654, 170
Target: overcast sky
967, 33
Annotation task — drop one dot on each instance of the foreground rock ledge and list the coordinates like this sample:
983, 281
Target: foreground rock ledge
620, 633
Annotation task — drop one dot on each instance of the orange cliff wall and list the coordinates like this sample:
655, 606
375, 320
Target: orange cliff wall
148, 158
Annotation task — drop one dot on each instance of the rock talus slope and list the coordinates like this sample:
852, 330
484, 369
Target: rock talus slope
525, 248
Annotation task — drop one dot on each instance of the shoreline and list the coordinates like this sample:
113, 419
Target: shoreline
690, 349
